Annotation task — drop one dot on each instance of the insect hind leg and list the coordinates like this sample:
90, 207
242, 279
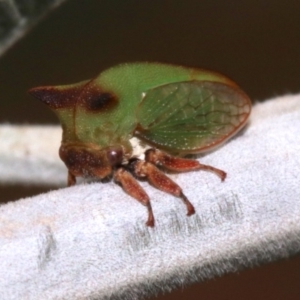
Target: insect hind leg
179, 164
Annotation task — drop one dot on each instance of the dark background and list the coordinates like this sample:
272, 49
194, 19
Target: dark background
256, 43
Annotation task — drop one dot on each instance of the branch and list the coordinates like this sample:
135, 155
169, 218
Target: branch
90, 241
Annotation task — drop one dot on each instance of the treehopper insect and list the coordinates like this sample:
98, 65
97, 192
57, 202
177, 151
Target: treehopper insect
176, 110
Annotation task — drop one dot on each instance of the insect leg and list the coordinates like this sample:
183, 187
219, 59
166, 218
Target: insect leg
133, 188
161, 181
179, 164
71, 179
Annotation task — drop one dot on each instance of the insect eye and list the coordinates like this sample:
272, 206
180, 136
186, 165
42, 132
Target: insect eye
115, 155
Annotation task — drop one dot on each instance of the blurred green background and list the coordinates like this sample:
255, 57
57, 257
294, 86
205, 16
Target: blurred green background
256, 43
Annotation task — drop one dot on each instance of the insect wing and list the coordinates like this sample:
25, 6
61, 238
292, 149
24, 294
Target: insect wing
191, 116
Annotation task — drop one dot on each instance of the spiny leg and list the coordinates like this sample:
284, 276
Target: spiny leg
158, 179
179, 164
133, 188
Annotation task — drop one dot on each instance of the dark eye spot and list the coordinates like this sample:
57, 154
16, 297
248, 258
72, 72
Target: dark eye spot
100, 102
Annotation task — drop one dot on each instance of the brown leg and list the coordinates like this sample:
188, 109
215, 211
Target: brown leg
133, 188
179, 164
158, 179
71, 179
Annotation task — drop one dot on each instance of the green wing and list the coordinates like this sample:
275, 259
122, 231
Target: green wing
191, 116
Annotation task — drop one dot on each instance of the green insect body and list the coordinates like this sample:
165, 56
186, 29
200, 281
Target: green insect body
175, 109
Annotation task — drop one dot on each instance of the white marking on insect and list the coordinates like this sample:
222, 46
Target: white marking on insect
138, 147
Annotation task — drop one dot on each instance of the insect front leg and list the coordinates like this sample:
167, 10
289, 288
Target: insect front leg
179, 164
133, 188
71, 179
161, 181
